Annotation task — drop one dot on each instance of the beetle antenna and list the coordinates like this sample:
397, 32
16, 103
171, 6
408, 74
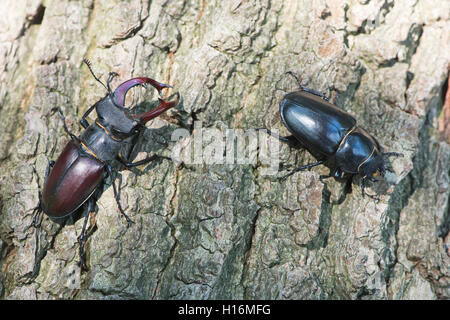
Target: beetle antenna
88, 63
111, 76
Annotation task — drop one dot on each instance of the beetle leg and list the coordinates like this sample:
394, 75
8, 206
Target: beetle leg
140, 162
308, 166
83, 120
306, 89
286, 139
392, 154
363, 186
165, 143
336, 173
51, 163
37, 212
92, 224
290, 140
345, 190
325, 176
38, 215
82, 239
63, 119
116, 196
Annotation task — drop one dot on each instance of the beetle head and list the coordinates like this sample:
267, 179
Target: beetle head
118, 119
373, 167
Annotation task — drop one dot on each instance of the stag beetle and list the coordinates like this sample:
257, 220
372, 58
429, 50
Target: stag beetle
331, 135
80, 170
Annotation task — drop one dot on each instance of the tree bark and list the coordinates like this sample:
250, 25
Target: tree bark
221, 231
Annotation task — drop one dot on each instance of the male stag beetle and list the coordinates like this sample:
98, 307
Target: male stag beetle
79, 171
331, 135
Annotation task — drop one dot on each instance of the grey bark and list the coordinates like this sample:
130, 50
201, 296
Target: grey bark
227, 231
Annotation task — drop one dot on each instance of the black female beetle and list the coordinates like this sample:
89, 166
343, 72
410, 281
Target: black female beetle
331, 135
79, 171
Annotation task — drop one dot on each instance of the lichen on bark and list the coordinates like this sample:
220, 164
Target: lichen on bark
229, 231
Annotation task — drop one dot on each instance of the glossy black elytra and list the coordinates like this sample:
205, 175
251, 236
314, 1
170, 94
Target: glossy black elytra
71, 181
331, 135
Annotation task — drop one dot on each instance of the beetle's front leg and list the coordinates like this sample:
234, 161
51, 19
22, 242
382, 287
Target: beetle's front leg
63, 119
363, 187
336, 173
345, 190
83, 120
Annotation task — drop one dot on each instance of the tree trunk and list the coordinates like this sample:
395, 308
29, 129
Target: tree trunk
230, 231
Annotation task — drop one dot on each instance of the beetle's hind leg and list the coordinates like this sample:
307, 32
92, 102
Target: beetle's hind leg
37, 212
37, 215
86, 233
291, 140
50, 165
347, 188
305, 167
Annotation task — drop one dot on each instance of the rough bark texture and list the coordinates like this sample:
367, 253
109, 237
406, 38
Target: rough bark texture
227, 231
